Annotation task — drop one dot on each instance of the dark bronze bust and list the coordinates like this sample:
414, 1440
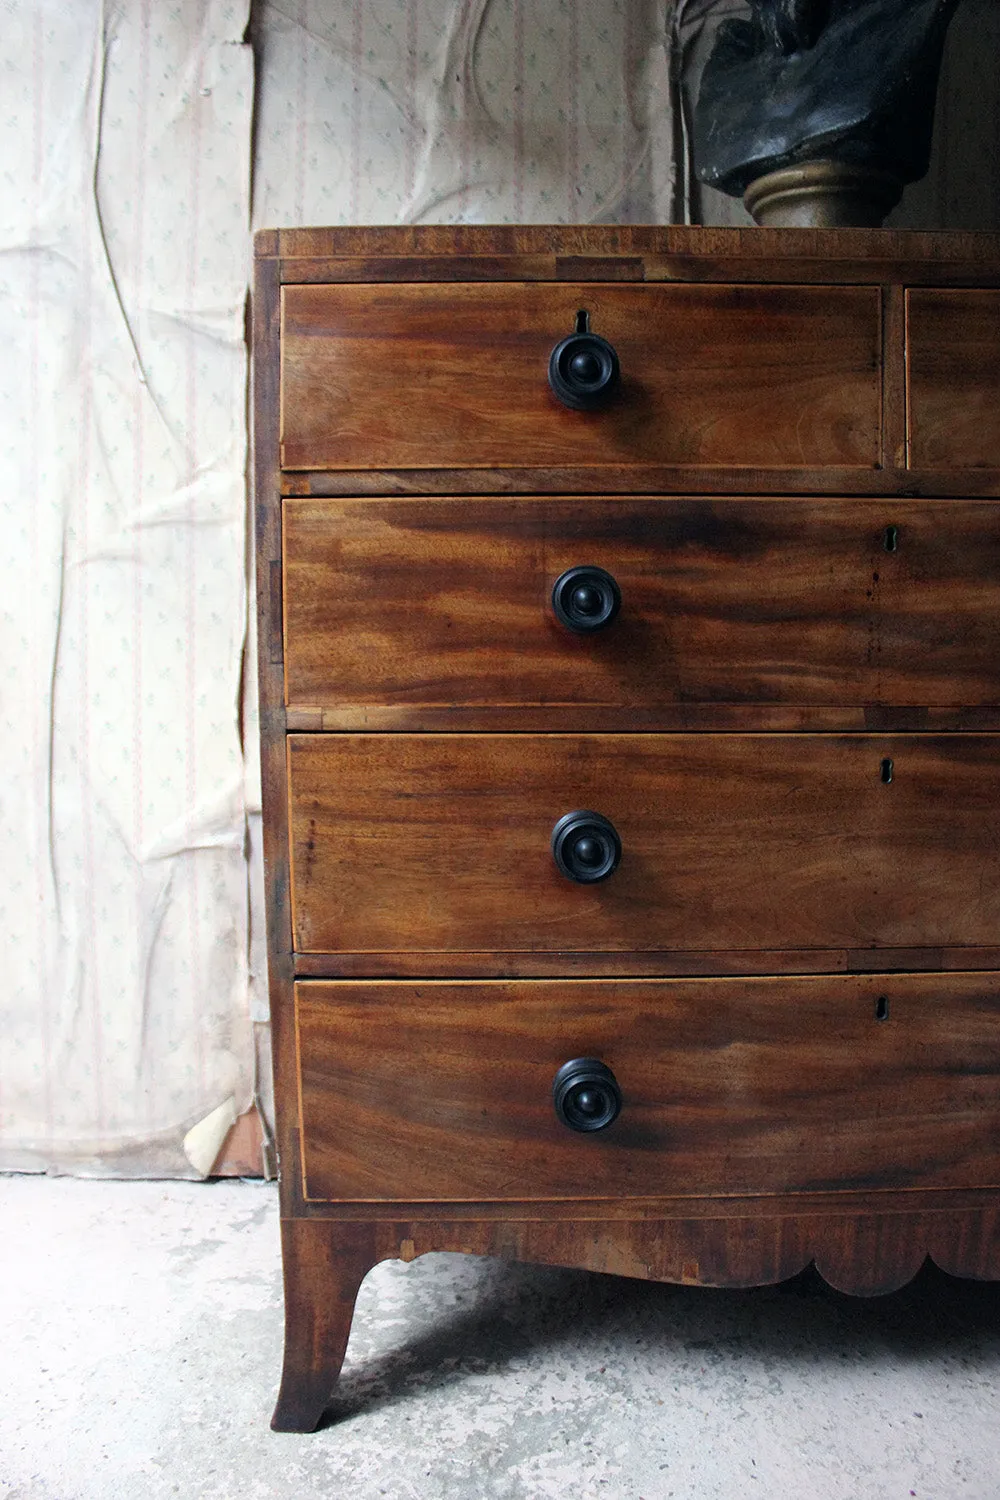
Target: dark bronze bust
846, 85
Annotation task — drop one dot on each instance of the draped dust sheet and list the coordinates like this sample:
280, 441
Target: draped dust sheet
124, 219
130, 901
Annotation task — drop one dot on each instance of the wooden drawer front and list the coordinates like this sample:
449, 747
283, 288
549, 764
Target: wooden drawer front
431, 604
442, 1090
953, 348
431, 376
442, 842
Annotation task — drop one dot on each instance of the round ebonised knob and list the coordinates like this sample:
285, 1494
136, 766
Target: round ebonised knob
583, 371
586, 1095
585, 599
586, 846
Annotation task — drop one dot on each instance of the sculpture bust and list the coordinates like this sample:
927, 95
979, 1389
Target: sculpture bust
850, 84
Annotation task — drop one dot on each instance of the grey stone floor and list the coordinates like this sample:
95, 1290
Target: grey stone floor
140, 1349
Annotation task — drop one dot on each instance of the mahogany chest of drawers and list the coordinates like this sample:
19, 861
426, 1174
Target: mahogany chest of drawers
629, 637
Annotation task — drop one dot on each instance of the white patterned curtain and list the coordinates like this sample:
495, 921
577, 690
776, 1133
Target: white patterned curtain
124, 212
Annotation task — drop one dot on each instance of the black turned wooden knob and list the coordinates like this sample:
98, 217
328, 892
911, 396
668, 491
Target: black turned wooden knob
583, 371
586, 1095
586, 846
585, 599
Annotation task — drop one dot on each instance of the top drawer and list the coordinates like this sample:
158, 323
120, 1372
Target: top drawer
455, 376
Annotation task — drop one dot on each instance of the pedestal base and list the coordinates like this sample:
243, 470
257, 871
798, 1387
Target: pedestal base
823, 195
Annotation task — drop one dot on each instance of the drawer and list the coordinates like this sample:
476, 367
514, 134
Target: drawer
442, 1090
439, 376
434, 842
953, 354
424, 605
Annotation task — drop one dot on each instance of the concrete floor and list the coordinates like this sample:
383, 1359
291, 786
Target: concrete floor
141, 1347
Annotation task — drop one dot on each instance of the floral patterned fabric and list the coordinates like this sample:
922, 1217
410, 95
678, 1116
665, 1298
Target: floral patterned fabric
124, 210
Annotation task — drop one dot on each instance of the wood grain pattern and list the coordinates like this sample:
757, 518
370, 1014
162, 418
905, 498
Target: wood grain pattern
651, 267
692, 718
683, 252
442, 1090
894, 434
446, 604
436, 376
866, 1255
653, 479
953, 353
410, 842
560, 963
591, 1211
